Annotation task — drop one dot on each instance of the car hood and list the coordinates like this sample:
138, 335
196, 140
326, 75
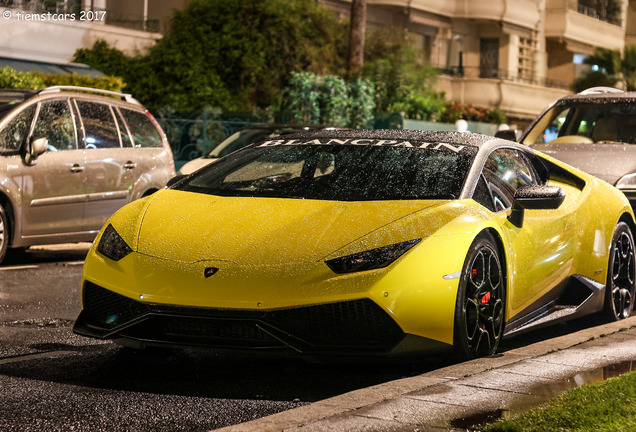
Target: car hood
608, 162
190, 227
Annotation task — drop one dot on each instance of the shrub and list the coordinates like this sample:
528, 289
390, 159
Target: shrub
454, 111
13, 79
103, 82
329, 100
10, 78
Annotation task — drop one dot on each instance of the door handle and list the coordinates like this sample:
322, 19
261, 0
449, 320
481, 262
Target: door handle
77, 168
130, 165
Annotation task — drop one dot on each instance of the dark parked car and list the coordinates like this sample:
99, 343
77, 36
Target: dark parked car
594, 131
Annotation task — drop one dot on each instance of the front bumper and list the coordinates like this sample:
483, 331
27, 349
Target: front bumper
354, 326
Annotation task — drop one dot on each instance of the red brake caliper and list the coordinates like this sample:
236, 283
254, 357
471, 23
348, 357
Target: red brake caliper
485, 299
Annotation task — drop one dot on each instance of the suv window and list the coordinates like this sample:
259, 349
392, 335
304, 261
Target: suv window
55, 122
124, 133
586, 123
14, 134
99, 125
144, 133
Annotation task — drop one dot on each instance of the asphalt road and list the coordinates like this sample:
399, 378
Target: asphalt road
53, 380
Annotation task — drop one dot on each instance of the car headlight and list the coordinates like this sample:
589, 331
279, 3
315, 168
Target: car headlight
627, 182
112, 245
371, 259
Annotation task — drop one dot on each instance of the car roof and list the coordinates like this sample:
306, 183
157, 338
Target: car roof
455, 138
20, 95
15, 95
599, 95
299, 127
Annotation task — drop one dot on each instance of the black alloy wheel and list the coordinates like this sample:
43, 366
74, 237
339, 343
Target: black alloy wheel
621, 275
479, 311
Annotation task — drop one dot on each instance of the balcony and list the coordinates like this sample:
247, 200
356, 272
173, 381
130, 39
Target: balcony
578, 24
51, 32
520, 12
518, 96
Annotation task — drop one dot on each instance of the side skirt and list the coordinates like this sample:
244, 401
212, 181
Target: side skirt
575, 297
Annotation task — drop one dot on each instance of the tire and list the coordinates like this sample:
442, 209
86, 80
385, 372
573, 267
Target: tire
4, 233
480, 307
621, 275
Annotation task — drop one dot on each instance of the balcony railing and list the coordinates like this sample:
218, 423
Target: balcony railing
594, 13
501, 74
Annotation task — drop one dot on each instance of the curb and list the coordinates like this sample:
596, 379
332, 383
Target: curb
433, 400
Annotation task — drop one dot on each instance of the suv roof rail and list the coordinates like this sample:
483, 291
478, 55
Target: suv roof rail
600, 90
123, 96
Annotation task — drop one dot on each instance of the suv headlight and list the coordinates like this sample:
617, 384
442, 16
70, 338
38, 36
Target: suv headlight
112, 245
627, 182
371, 259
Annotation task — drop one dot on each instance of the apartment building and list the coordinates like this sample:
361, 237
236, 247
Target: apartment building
44, 34
517, 55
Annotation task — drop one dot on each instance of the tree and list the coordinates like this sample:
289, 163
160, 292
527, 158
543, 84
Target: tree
403, 81
356, 38
610, 68
232, 54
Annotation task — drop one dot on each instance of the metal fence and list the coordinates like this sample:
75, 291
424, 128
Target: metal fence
194, 136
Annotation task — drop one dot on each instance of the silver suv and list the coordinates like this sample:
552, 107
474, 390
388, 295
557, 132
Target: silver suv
69, 158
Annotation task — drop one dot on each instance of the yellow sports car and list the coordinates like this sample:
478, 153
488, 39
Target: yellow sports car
347, 243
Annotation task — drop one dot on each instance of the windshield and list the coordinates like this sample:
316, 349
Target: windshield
338, 172
601, 123
250, 135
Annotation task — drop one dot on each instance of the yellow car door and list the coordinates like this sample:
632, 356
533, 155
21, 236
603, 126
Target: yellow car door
541, 251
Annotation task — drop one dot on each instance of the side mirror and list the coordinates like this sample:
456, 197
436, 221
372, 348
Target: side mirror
37, 146
176, 179
508, 134
534, 198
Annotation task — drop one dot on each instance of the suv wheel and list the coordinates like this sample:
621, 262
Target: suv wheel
4, 233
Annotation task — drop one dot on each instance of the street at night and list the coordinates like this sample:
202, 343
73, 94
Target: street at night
51, 379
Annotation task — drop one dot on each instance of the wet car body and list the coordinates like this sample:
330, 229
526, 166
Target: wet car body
362, 243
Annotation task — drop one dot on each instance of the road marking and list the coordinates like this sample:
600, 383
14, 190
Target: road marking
51, 354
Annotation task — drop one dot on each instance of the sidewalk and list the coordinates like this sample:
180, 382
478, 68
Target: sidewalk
451, 398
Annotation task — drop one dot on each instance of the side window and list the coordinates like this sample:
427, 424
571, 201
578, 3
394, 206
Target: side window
144, 133
482, 194
505, 171
126, 140
14, 134
55, 122
99, 125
